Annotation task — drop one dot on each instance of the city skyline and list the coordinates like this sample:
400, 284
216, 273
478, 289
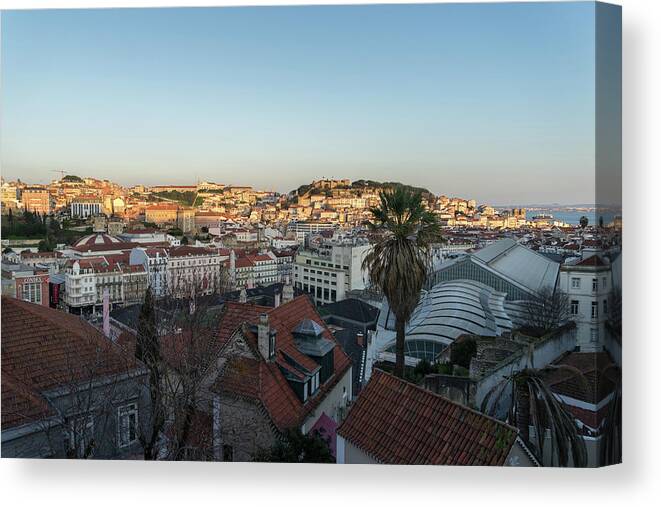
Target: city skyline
388, 93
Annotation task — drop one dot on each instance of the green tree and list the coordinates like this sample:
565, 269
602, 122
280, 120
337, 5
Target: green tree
148, 350
298, 448
583, 221
398, 263
463, 351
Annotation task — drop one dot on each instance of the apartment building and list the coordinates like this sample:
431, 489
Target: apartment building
9, 195
162, 214
186, 220
84, 207
195, 268
155, 263
87, 280
332, 270
24, 282
36, 200
588, 283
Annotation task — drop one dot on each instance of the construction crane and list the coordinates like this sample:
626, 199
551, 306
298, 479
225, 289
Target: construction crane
62, 173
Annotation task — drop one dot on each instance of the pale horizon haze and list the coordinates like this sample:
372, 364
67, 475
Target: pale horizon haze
494, 102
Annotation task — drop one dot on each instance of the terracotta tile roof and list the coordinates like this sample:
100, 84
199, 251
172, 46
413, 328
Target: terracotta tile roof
593, 260
264, 380
260, 258
598, 370
591, 418
20, 405
42, 349
235, 314
397, 422
243, 262
184, 251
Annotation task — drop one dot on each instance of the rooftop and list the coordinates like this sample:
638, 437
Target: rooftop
521, 264
399, 423
265, 380
43, 349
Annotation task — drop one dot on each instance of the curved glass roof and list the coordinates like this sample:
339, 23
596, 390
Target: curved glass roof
421, 349
453, 308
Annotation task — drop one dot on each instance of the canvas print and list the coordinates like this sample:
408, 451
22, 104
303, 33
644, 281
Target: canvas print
347, 234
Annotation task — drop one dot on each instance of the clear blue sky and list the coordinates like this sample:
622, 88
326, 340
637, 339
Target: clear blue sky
490, 101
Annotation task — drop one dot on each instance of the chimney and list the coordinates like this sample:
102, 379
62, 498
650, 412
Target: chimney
264, 342
287, 291
360, 340
277, 299
106, 313
233, 267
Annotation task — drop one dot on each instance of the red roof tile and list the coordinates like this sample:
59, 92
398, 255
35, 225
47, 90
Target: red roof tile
42, 349
599, 374
397, 422
264, 380
593, 260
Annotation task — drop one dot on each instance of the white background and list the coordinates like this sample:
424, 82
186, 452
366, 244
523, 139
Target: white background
637, 482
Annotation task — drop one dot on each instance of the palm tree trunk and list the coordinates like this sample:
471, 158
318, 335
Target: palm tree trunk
523, 412
400, 327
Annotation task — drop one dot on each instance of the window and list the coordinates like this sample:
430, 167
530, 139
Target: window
595, 309
605, 306
228, 453
574, 307
32, 292
575, 283
594, 335
127, 424
80, 436
604, 282
595, 285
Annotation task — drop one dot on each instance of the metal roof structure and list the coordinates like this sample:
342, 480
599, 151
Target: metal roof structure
523, 265
507, 266
308, 327
447, 311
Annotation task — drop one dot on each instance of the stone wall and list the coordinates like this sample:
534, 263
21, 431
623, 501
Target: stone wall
245, 427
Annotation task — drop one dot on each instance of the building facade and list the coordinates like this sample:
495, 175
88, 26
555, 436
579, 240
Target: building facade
77, 397
84, 207
328, 273
36, 200
588, 283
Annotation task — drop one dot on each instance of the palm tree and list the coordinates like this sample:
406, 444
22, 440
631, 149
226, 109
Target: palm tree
583, 222
532, 403
398, 263
611, 447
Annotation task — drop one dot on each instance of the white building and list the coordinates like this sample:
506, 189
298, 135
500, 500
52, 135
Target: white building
84, 208
588, 283
86, 280
328, 273
155, 262
191, 267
